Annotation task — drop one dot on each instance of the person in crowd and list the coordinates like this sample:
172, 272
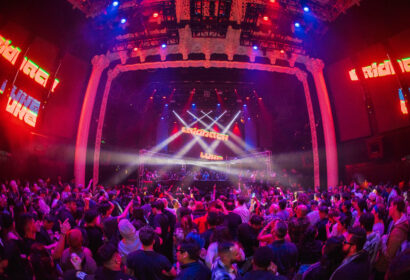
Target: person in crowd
224, 267
213, 220
184, 228
360, 207
68, 210
283, 213
332, 256
110, 223
86, 235
76, 250
94, 233
220, 235
263, 267
242, 210
248, 234
232, 219
356, 264
161, 224
341, 227
285, 253
111, 264
42, 263
321, 224
310, 249
399, 268
299, 224
130, 241
147, 264
396, 236
379, 212
313, 215
392, 193
372, 238
188, 255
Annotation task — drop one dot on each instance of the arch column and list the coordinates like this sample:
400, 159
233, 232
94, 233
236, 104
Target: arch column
99, 62
315, 66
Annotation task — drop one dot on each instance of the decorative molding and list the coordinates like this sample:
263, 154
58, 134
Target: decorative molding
301, 75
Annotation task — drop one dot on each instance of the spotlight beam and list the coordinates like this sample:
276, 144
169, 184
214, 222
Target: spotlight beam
215, 144
167, 141
196, 139
230, 144
235, 137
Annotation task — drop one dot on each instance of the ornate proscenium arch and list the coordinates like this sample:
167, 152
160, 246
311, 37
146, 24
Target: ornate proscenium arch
315, 66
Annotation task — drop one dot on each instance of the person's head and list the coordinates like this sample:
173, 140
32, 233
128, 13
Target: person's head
75, 239
301, 211
49, 221
109, 256
147, 236
229, 252
367, 221
361, 205
343, 223
379, 211
127, 230
346, 206
333, 215
185, 202
332, 253
256, 222
188, 251
273, 209
280, 229
70, 204
262, 258
323, 211
371, 200
282, 204
165, 202
230, 204
310, 234
355, 241
105, 208
187, 223
25, 225
242, 200
157, 207
41, 263
90, 217
314, 205
396, 207
212, 219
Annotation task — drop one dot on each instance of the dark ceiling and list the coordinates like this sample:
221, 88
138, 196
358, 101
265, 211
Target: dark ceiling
361, 26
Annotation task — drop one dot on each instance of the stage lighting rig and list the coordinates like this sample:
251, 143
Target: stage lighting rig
210, 18
267, 24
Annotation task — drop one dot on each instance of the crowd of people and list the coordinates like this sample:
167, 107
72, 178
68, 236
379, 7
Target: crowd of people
56, 230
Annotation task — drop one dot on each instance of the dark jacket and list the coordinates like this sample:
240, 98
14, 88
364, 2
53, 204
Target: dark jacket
389, 249
285, 257
354, 267
195, 270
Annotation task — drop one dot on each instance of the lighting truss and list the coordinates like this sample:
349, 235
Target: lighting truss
210, 18
273, 34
